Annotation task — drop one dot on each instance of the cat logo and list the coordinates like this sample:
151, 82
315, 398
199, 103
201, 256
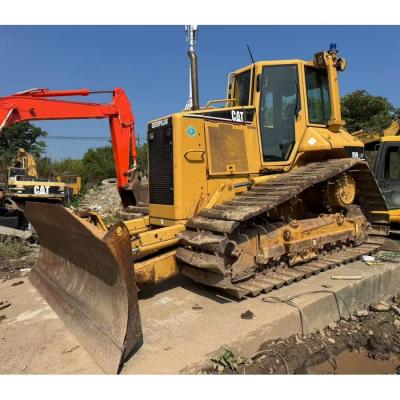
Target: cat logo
41, 189
237, 116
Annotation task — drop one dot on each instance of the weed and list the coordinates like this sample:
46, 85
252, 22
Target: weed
12, 248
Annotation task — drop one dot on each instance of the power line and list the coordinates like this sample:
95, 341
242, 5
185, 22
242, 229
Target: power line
58, 137
93, 138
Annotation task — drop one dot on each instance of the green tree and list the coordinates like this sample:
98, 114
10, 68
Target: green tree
98, 164
22, 135
46, 166
361, 110
142, 152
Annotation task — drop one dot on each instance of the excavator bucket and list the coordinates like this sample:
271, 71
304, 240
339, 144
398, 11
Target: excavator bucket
87, 277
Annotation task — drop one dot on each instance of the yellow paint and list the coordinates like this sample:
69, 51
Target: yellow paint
156, 269
137, 225
73, 182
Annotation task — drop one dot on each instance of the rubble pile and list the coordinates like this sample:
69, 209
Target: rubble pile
103, 199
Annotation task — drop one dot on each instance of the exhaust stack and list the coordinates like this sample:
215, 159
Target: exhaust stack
194, 80
193, 100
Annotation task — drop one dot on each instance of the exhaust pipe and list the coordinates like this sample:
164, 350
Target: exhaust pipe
194, 80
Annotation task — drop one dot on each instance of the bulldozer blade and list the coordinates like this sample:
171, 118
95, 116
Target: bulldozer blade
87, 277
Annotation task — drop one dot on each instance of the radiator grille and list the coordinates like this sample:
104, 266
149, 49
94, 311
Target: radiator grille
228, 149
161, 169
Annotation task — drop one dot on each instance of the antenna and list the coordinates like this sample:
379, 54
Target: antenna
251, 55
191, 37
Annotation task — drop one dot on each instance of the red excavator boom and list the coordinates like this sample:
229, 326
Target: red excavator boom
39, 104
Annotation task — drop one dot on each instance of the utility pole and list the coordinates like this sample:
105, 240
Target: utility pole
191, 36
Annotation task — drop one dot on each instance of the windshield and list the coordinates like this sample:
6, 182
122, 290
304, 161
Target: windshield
392, 163
242, 88
279, 105
319, 106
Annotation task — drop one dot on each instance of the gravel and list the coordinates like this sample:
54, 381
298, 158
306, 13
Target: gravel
103, 199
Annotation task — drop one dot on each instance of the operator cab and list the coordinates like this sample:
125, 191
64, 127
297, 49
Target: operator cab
387, 170
289, 96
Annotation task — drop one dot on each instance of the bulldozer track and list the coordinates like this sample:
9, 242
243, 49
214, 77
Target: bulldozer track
202, 252
264, 283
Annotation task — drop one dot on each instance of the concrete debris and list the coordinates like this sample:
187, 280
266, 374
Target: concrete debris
109, 181
103, 199
370, 332
396, 323
331, 340
5, 231
379, 307
298, 340
367, 259
361, 313
332, 326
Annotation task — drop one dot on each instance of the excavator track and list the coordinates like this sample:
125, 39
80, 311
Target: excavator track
207, 256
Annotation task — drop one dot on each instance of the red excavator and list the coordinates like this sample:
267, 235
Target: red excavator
40, 104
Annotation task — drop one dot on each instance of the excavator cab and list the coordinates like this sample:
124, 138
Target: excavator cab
386, 169
382, 150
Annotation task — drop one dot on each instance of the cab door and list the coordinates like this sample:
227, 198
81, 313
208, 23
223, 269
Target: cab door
279, 107
387, 173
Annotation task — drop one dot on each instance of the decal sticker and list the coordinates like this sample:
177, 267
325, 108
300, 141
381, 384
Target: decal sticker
191, 131
312, 141
41, 189
354, 154
237, 116
160, 122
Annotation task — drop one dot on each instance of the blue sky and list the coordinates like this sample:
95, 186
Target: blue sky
151, 64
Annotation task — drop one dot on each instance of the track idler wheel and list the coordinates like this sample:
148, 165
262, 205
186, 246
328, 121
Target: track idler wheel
342, 191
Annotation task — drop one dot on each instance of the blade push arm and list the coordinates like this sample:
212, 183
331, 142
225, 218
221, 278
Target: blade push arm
40, 104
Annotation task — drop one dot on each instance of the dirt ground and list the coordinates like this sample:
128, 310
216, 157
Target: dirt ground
369, 343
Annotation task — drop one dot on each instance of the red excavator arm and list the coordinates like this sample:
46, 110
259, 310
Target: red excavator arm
38, 104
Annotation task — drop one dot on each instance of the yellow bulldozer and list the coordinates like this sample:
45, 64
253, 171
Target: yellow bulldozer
263, 191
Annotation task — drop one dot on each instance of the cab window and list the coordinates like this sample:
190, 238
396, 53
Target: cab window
319, 106
392, 163
242, 88
279, 106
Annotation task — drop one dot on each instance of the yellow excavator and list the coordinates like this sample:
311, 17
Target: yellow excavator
24, 184
261, 192
382, 150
